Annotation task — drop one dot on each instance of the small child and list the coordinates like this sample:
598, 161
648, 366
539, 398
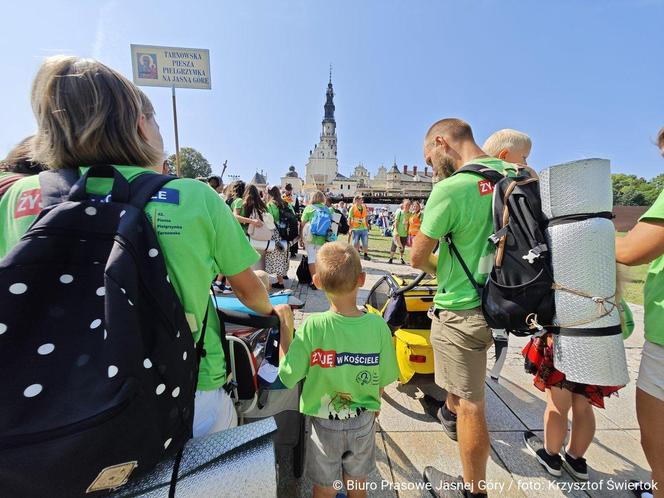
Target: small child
345, 357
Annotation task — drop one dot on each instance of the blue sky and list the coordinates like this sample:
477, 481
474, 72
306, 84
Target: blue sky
583, 78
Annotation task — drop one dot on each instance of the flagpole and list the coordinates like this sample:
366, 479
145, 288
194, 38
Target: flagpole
177, 141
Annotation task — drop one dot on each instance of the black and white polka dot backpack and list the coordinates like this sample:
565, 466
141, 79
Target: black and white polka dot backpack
98, 366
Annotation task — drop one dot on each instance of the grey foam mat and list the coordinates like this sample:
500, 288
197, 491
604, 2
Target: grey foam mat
576, 187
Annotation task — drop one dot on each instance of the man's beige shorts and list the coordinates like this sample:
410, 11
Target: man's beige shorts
460, 340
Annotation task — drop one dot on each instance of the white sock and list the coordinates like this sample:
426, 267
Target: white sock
573, 457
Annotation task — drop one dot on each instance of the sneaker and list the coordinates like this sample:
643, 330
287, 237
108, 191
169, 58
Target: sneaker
448, 421
577, 467
313, 286
551, 463
443, 484
367, 258
641, 489
439, 411
389, 261
402, 261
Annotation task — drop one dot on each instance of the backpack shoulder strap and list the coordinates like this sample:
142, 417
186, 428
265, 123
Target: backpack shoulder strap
455, 251
487, 173
56, 185
143, 187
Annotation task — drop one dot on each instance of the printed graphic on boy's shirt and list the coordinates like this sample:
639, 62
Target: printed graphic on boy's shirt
331, 359
338, 407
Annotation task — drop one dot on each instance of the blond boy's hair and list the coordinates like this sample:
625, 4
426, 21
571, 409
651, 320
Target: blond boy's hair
338, 267
506, 139
264, 278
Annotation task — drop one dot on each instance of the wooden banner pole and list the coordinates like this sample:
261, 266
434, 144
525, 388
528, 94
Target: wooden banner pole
177, 140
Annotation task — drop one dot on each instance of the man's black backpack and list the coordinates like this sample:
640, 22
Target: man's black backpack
98, 363
343, 223
288, 225
518, 295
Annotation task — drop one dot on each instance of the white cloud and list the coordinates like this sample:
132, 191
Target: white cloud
103, 22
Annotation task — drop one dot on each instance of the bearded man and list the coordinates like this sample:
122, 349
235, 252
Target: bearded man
459, 209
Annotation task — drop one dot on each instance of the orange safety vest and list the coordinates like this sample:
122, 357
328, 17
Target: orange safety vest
414, 224
358, 218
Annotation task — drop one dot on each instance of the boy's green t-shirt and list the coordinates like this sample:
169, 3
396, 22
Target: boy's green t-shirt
653, 292
401, 220
197, 232
461, 206
345, 361
308, 215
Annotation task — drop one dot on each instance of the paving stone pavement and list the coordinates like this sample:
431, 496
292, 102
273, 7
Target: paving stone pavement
408, 439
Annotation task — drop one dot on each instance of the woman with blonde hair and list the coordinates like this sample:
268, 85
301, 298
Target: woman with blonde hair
88, 114
312, 243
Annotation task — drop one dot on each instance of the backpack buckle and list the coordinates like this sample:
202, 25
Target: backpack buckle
495, 238
532, 255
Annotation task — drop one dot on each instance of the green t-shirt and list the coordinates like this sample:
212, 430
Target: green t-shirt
345, 361
308, 215
461, 205
401, 220
198, 235
273, 209
653, 292
237, 204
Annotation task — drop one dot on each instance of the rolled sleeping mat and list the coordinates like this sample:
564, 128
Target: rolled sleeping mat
583, 260
265, 245
214, 463
576, 187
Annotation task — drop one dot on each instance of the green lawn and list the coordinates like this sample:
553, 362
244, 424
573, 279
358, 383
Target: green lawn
379, 246
633, 277
633, 280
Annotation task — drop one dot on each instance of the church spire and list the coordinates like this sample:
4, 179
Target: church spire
329, 101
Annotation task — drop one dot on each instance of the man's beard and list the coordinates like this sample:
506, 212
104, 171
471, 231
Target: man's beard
443, 168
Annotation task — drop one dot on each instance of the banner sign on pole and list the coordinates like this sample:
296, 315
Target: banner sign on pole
171, 66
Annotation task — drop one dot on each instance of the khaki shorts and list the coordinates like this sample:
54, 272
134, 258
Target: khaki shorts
341, 447
460, 340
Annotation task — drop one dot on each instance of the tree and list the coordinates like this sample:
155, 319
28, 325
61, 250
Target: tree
192, 163
658, 182
631, 190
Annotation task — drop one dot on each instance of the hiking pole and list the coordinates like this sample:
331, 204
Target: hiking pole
500, 343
